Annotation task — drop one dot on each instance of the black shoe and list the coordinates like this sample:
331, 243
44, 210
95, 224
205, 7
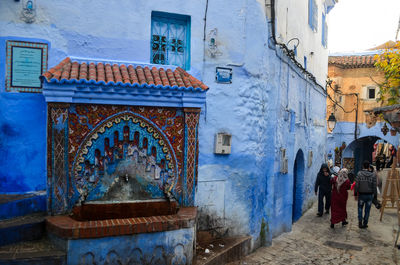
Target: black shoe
332, 226
327, 212
360, 225
378, 206
365, 226
344, 223
319, 214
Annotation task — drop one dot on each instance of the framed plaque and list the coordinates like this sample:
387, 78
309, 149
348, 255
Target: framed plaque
26, 62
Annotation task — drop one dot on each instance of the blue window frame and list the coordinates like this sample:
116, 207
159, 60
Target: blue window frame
324, 31
313, 15
170, 39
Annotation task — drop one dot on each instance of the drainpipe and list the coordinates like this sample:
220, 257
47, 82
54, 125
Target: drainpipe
356, 122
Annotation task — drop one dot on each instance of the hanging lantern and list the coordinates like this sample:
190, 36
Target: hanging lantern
384, 129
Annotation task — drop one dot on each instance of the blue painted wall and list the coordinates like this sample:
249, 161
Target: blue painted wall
269, 106
22, 135
170, 247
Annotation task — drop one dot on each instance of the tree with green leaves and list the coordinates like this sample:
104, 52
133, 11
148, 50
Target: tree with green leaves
389, 63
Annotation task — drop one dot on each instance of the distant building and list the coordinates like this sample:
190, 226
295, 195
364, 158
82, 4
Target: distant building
353, 95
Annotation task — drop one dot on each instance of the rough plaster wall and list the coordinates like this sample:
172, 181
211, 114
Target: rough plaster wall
292, 22
256, 108
241, 109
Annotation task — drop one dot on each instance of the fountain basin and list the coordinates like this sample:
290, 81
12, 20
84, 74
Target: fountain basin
93, 220
88, 237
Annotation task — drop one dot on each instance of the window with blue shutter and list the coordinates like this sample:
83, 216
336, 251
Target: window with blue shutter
313, 15
324, 31
170, 39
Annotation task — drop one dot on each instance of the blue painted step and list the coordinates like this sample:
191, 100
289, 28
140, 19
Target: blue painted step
25, 228
40, 252
14, 205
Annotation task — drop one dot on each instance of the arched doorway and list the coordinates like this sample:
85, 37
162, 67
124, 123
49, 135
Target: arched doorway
298, 180
360, 150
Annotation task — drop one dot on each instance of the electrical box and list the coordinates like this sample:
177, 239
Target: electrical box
223, 143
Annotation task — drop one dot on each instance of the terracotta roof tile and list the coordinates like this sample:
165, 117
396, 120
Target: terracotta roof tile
74, 71
156, 75
83, 71
354, 61
92, 71
133, 75
109, 73
170, 76
149, 76
100, 73
66, 71
117, 73
126, 74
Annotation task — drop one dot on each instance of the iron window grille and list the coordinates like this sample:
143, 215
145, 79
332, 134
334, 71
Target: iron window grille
170, 39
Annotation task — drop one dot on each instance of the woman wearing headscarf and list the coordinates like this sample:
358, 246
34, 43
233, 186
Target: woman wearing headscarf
340, 186
323, 185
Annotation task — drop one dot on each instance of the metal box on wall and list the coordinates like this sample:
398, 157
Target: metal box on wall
223, 143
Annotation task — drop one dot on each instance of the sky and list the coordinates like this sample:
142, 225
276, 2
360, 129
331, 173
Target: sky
357, 25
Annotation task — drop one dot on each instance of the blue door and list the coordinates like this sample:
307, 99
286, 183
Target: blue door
298, 183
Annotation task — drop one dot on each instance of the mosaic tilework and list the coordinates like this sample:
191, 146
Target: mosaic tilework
10, 44
86, 153
129, 149
191, 127
59, 167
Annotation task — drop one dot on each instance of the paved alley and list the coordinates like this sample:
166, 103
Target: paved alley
312, 241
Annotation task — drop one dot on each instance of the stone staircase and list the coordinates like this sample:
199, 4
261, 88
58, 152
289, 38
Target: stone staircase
222, 251
22, 231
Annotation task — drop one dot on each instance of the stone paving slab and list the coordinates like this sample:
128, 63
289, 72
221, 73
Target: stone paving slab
307, 242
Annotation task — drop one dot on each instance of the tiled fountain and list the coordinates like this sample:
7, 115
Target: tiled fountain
122, 161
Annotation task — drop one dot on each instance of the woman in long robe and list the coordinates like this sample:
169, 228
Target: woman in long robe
340, 186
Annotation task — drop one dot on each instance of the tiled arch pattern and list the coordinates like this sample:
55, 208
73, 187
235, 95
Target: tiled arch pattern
76, 121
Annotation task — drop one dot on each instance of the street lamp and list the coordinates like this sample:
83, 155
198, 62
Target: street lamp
331, 122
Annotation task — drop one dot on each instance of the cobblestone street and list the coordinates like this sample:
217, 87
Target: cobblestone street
312, 241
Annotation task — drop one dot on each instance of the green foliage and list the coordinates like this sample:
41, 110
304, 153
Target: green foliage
389, 64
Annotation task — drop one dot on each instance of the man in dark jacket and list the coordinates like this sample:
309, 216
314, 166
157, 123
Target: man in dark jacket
323, 184
365, 189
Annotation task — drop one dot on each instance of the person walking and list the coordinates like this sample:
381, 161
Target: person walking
323, 188
365, 189
340, 186
375, 200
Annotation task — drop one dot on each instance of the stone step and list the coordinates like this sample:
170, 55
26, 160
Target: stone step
14, 205
23, 228
39, 252
222, 251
